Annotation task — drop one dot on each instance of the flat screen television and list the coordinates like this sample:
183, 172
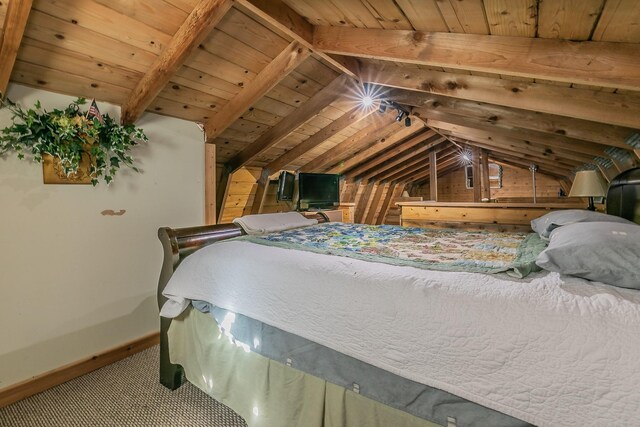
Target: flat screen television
286, 182
318, 190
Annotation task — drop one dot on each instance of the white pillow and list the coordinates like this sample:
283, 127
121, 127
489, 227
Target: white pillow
606, 252
547, 223
272, 223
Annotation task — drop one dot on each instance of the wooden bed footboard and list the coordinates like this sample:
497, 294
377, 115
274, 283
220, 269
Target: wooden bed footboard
178, 244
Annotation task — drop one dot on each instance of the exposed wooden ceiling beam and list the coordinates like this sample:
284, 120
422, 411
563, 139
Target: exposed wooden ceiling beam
204, 17
284, 127
347, 119
292, 56
526, 159
507, 147
602, 107
427, 144
15, 22
598, 133
604, 64
399, 135
425, 171
519, 163
421, 163
418, 158
379, 127
279, 16
554, 143
516, 145
398, 149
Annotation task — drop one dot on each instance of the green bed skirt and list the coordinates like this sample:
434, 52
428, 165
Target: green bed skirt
267, 393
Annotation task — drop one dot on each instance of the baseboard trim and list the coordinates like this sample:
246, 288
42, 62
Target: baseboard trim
47, 380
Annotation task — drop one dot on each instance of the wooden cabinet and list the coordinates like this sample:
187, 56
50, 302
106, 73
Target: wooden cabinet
490, 216
348, 211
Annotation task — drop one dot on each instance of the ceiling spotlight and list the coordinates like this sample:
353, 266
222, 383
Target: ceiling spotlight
400, 115
367, 101
383, 107
407, 121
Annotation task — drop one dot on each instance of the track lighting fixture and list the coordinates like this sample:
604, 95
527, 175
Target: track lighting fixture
383, 107
400, 116
407, 121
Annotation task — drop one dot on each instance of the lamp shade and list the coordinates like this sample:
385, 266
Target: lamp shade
588, 184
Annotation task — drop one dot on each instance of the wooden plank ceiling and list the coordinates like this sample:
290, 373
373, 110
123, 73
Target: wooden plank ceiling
278, 83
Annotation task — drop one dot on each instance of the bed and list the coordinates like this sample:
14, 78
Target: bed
287, 336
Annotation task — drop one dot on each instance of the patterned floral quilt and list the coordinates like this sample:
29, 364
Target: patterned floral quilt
432, 249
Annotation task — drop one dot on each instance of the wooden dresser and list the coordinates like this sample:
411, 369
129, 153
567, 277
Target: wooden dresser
476, 216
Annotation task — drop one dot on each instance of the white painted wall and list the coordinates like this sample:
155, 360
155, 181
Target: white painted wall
74, 282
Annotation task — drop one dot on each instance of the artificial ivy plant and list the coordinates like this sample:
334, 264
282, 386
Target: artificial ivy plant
68, 135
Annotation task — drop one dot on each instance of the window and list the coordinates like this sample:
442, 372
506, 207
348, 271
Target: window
495, 176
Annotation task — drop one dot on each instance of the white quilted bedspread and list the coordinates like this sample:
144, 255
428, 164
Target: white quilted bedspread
551, 350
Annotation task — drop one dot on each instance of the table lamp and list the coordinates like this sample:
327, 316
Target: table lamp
588, 184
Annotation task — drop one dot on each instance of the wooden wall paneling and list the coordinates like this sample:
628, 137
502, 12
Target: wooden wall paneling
363, 202
599, 133
384, 143
376, 200
379, 127
241, 189
284, 63
261, 192
464, 16
13, 28
618, 22
388, 154
606, 172
524, 57
512, 17
279, 16
209, 184
386, 203
433, 176
419, 164
347, 119
291, 122
484, 175
222, 193
609, 108
568, 19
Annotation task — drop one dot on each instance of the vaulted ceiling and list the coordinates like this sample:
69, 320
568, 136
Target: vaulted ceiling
278, 84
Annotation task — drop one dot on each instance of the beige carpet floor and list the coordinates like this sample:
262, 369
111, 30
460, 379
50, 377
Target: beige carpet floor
126, 393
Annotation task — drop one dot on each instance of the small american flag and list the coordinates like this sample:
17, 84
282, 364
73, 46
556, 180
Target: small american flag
94, 112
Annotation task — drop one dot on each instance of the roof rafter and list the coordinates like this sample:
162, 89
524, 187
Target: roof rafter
602, 107
347, 119
376, 148
379, 127
284, 127
279, 16
604, 64
553, 124
292, 56
392, 152
204, 17
13, 28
